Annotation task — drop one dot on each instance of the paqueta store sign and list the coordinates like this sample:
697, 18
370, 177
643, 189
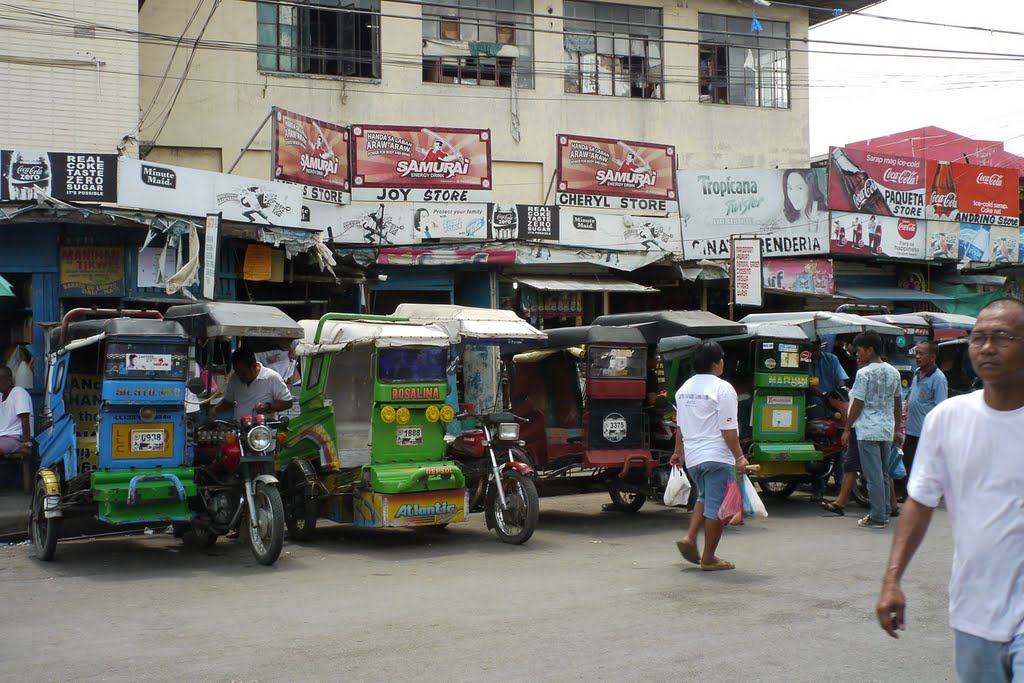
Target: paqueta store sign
873, 183
968, 193
313, 154
411, 164
608, 173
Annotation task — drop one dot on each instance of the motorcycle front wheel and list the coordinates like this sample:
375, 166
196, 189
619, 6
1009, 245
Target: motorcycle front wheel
516, 523
267, 536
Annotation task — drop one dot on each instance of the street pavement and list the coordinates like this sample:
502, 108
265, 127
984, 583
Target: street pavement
595, 595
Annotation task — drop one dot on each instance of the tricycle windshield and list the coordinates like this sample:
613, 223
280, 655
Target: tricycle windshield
395, 366
621, 363
145, 360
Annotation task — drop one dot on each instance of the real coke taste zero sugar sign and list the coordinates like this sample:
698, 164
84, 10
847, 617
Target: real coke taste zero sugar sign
313, 154
411, 164
968, 193
616, 174
882, 184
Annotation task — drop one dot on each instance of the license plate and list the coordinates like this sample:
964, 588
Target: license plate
409, 436
145, 441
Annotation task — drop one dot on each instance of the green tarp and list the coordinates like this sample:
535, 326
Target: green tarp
964, 302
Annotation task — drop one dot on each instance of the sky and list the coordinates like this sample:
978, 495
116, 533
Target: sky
857, 97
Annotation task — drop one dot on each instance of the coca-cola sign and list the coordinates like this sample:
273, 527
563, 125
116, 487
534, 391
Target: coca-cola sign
872, 236
968, 193
67, 176
880, 184
524, 221
907, 228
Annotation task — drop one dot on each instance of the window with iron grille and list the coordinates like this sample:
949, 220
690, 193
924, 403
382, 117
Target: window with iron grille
478, 42
740, 66
320, 37
613, 50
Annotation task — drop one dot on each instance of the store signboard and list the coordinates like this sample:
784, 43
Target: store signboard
872, 236
449, 222
800, 276
523, 222
413, 164
608, 173
191, 192
90, 271
943, 240
619, 232
66, 176
445, 257
313, 154
968, 193
785, 208
863, 181
989, 243
746, 272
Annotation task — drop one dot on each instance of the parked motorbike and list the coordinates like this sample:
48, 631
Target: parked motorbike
498, 475
237, 487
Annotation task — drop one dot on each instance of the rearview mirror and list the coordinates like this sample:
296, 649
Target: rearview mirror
196, 386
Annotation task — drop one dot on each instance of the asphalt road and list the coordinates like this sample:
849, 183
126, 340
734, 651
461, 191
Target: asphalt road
593, 596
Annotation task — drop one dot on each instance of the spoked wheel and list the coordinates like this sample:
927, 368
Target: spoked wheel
778, 489
627, 500
300, 509
516, 523
267, 536
860, 491
201, 536
44, 532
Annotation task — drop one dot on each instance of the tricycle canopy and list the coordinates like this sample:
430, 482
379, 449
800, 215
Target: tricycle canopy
657, 325
338, 335
230, 319
682, 346
817, 324
564, 337
89, 332
474, 325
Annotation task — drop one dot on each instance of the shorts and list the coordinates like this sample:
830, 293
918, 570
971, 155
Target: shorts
711, 479
851, 460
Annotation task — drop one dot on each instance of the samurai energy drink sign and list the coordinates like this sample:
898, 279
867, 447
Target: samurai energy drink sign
411, 164
313, 154
607, 173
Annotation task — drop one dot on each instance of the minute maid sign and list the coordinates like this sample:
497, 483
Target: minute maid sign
784, 208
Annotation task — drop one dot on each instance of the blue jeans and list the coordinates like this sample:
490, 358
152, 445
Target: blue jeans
874, 465
984, 661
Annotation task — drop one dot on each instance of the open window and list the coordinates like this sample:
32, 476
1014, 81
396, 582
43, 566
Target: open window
737, 66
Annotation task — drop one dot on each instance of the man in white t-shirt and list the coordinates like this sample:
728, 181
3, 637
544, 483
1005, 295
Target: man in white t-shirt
15, 417
253, 389
970, 454
708, 442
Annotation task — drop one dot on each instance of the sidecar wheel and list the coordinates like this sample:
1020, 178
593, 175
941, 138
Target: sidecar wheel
44, 532
627, 501
201, 537
267, 537
300, 511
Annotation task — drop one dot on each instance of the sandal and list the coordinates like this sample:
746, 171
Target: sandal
830, 506
895, 512
232, 534
688, 551
721, 565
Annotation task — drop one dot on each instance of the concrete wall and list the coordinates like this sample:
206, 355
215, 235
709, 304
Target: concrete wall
69, 85
226, 97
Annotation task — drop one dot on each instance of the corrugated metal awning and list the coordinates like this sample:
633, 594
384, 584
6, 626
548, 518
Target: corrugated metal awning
867, 293
572, 284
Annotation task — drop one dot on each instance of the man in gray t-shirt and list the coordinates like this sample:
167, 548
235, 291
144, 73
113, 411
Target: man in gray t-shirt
876, 412
253, 389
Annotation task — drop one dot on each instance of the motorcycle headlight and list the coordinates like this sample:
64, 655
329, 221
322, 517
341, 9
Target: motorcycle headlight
259, 438
508, 431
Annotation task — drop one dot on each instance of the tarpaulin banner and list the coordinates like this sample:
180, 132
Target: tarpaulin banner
968, 193
616, 174
385, 224
67, 176
524, 222
313, 154
619, 232
872, 236
90, 271
882, 184
450, 222
943, 240
444, 257
989, 243
785, 209
801, 276
411, 164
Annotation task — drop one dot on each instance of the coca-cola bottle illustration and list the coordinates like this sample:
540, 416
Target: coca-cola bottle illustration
28, 171
863, 192
505, 222
942, 192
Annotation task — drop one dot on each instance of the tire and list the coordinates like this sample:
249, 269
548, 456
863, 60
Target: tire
267, 537
778, 489
201, 537
300, 509
627, 501
860, 492
516, 524
44, 532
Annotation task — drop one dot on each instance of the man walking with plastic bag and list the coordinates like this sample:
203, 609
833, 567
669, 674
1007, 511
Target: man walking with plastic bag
970, 455
708, 442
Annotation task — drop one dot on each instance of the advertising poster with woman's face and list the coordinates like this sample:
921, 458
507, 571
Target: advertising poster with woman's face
786, 208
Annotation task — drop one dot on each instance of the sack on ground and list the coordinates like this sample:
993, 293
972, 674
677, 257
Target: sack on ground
897, 470
753, 506
732, 504
678, 490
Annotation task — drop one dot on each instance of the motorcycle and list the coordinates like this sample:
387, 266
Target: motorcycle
498, 475
237, 488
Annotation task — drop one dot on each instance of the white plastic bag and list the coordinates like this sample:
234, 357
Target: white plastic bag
750, 495
678, 490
